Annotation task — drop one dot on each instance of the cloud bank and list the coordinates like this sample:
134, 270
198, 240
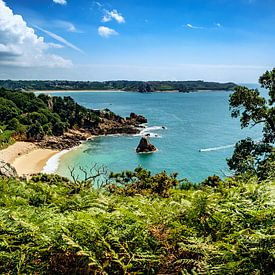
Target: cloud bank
20, 46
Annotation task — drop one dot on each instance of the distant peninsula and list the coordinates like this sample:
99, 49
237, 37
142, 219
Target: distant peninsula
122, 85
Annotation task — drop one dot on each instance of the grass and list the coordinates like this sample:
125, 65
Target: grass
48, 226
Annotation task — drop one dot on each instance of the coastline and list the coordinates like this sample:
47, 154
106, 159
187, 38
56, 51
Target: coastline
119, 91
26, 157
96, 91
76, 91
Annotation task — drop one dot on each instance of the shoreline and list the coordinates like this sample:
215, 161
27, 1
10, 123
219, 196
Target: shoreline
52, 162
76, 91
96, 91
120, 91
26, 157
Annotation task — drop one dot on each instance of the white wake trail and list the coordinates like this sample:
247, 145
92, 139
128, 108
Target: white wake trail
217, 148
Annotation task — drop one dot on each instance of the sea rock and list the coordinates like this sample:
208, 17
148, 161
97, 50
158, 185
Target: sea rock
138, 118
135, 119
7, 170
145, 146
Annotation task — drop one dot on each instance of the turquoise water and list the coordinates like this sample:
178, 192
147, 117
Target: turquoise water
193, 122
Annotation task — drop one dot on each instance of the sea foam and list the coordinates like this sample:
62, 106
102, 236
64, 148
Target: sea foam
53, 163
149, 131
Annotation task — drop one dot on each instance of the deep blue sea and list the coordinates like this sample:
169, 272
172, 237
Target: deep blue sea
199, 133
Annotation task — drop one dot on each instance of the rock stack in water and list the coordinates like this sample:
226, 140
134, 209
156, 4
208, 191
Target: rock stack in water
145, 146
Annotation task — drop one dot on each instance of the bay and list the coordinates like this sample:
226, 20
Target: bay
199, 133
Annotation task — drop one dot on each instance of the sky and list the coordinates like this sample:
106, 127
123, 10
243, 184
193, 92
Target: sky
211, 40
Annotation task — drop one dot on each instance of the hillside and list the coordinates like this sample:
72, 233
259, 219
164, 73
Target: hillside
136, 86
46, 119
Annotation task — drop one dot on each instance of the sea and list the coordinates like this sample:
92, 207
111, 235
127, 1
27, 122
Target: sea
193, 132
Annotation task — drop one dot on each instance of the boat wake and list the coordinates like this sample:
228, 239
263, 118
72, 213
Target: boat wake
217, 148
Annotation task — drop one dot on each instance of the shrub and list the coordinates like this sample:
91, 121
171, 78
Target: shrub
142, 182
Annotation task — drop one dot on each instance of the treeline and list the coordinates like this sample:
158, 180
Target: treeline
30, 117
137, 86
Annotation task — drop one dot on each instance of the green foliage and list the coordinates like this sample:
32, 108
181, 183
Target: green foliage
253, 109
48, 228
6, 139
182, 86
8, 110
14, 125
36, 116
212, 181
35, 131
142, 182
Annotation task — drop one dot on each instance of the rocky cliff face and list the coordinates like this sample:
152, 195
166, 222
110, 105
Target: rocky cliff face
7, 170
112, 124
109, 124
145, 146
70, 139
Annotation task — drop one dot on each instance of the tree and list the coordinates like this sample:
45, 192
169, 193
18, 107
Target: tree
253, 109
8, 110
35, 131
14, 125
59, 128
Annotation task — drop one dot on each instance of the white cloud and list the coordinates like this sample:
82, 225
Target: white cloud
60, 39
98, 4
113, 14
61, 2
68, 26
20, 46
216, 26
106, 32
193, 27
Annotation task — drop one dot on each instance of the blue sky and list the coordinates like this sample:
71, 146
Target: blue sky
217, 40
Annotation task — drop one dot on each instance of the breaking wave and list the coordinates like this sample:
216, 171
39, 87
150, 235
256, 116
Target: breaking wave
53, 163
149, 131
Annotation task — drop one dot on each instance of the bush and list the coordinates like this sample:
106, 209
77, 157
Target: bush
35, 132
6, 138
14, 125
8, 110
47, 228
142, 182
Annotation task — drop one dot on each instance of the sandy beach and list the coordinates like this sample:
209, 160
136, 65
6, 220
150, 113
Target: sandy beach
96, 91
77, 91
26, 157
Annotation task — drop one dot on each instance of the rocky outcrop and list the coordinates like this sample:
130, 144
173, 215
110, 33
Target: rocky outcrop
145, 146
134, 118
109, 124
69, 140
7, 170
